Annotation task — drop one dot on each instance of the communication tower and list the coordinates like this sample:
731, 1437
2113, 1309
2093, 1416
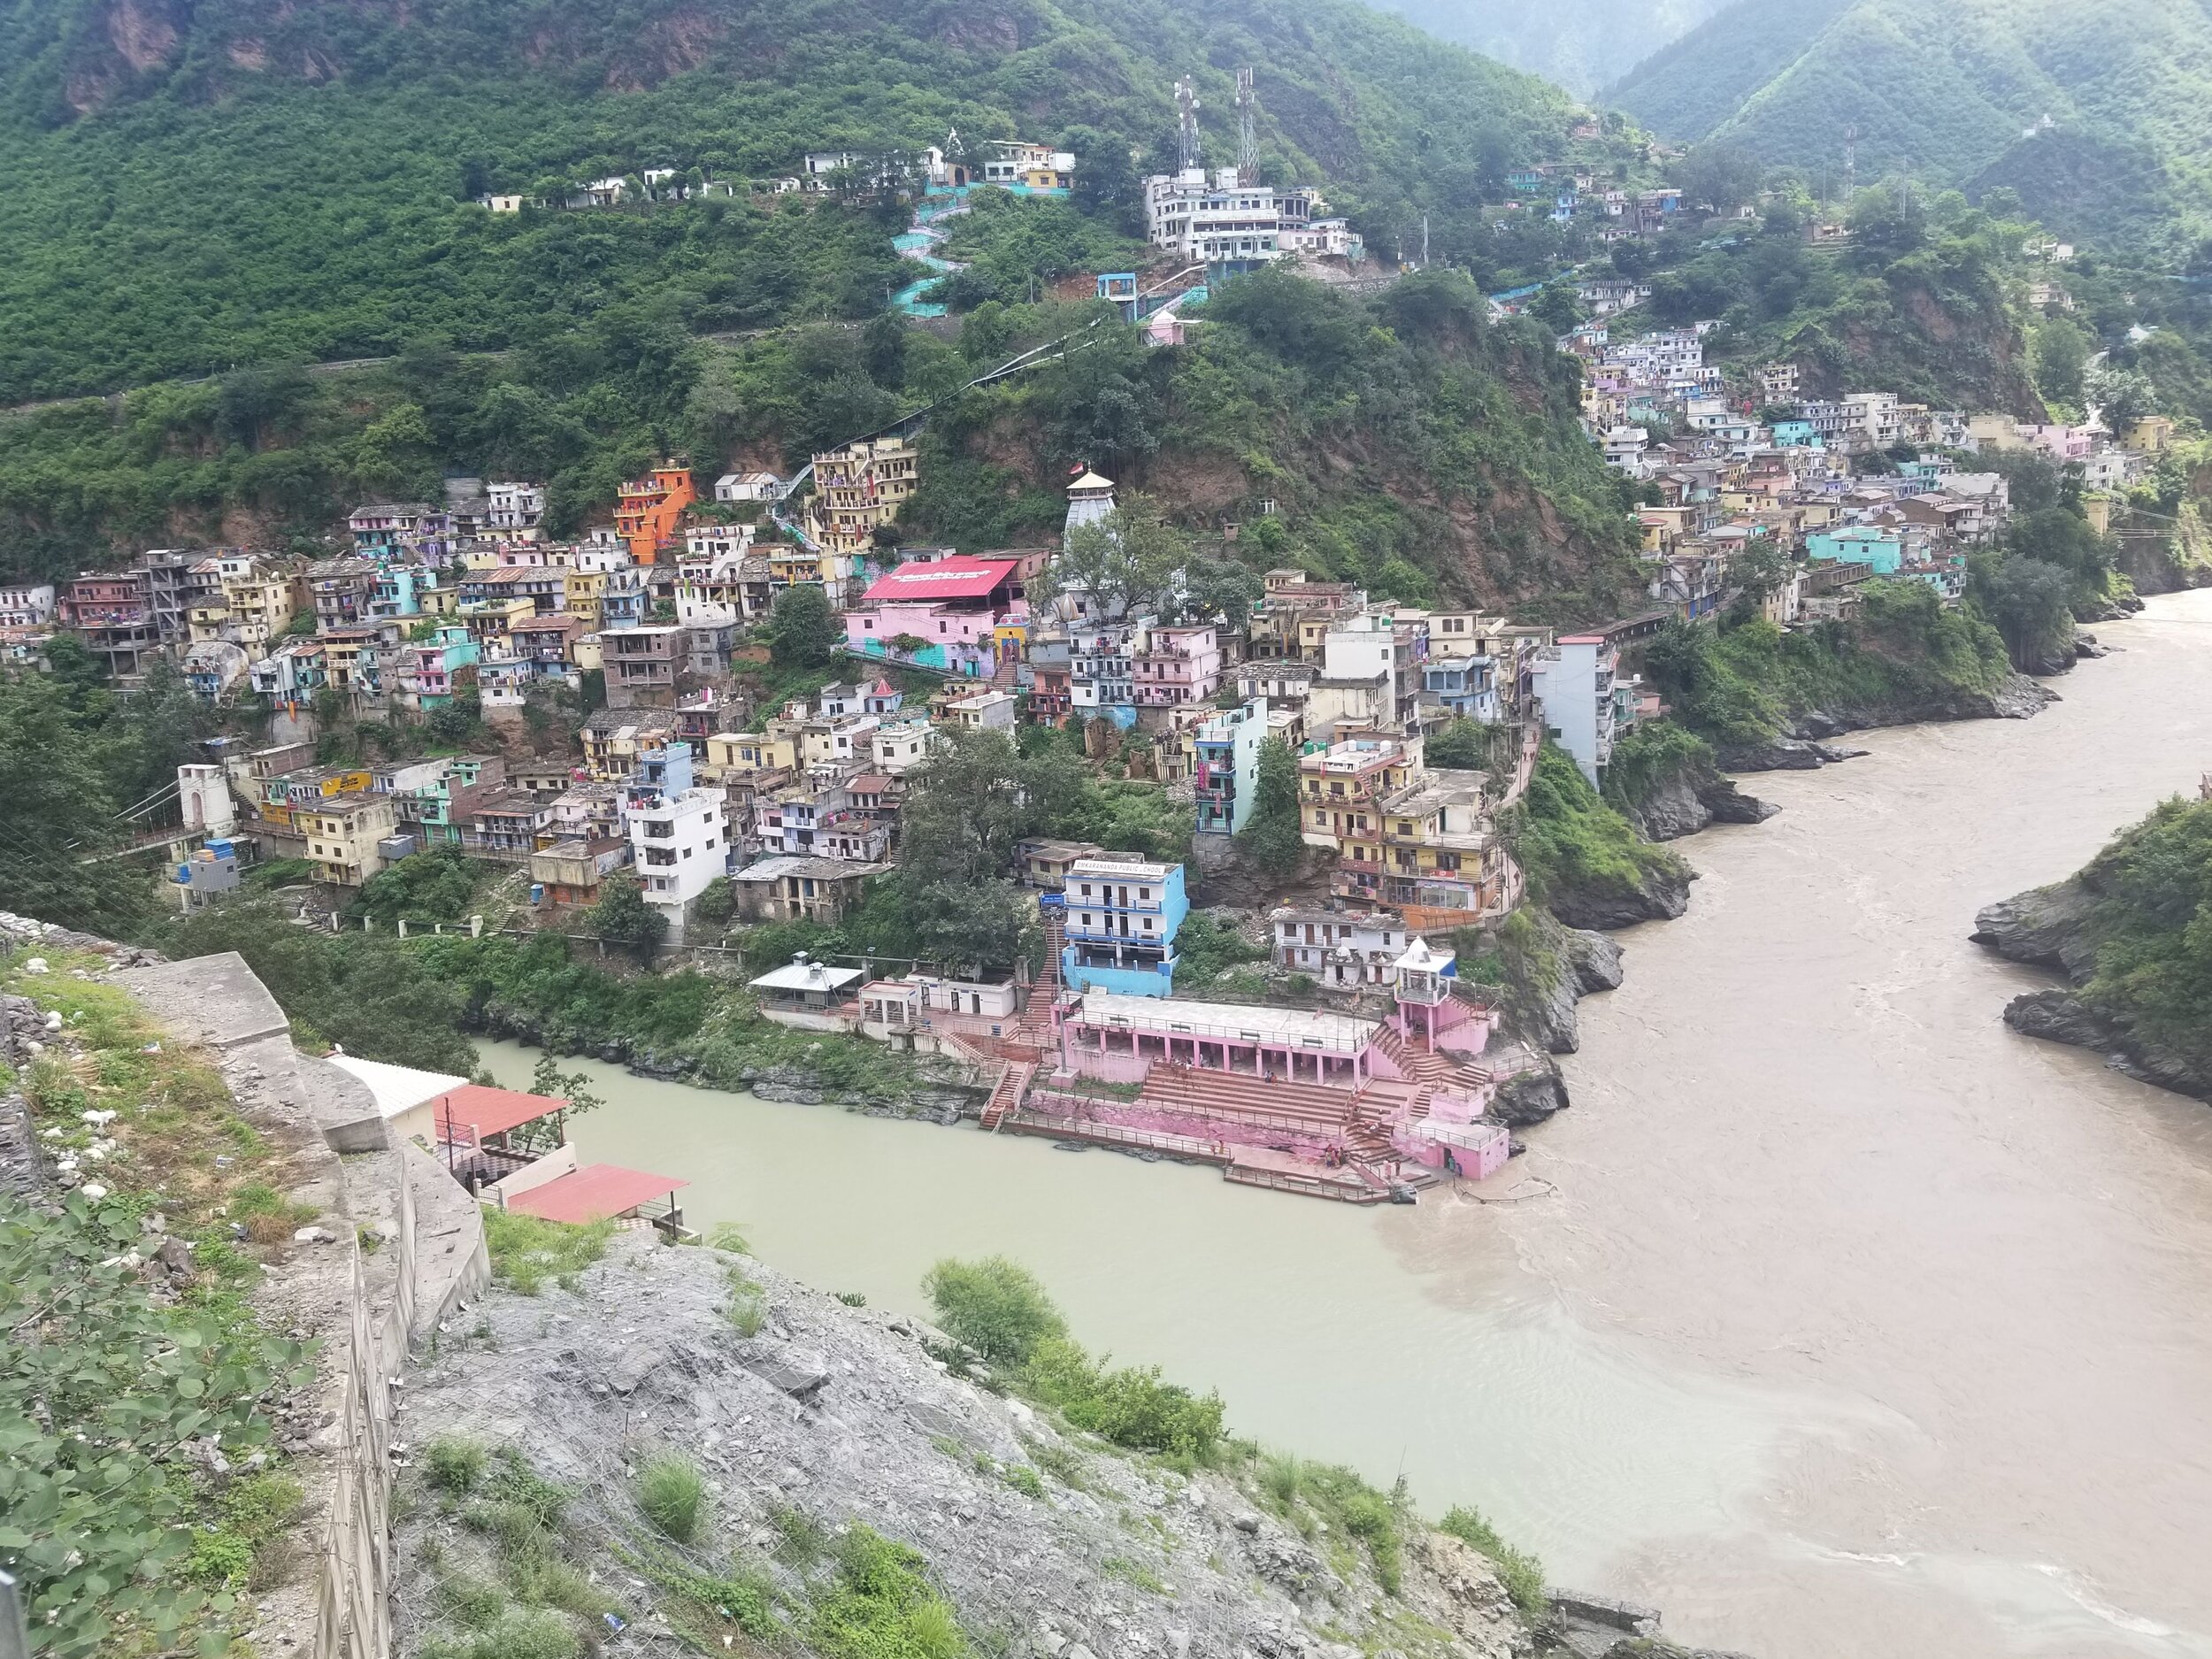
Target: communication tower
1247, 145
1187, 124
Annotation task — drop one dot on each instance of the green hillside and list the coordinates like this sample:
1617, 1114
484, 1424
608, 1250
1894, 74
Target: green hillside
2098, 115
1582, 44
196, 187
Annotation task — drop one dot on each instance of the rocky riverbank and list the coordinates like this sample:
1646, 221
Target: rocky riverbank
1807, 742
818, 1429
2061, 927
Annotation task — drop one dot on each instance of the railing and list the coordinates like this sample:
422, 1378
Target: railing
1302, 1045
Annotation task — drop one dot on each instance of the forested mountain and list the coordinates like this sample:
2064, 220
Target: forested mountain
198, 186
1582, 44
2099, 115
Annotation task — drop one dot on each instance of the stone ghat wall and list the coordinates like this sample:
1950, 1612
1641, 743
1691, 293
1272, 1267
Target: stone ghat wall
398, 1248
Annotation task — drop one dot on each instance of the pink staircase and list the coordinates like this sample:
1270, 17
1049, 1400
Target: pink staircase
1006, 1094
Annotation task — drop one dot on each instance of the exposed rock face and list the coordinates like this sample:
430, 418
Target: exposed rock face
1689, 802
1660, 896
2054, 927
1057, 1547
1805, 746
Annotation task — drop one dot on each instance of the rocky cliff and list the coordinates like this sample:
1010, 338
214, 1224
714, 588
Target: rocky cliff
2057, 927
1805, 743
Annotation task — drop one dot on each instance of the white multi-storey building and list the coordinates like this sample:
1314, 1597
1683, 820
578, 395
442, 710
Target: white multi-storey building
678, 835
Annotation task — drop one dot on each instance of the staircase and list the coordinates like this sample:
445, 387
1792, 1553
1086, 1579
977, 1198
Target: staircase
1006, 1094
1036, 1024
1434, 1068
1303, 1107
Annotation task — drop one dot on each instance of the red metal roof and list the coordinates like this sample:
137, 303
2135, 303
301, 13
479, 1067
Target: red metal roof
490, 1111
959, 577
593, 1193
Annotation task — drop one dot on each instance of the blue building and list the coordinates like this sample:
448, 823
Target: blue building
1465, 684
1121, 919
1796, 434
1225, 764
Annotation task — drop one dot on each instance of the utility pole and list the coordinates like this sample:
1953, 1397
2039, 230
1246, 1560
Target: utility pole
1425, 242
1247, 145
1850, 161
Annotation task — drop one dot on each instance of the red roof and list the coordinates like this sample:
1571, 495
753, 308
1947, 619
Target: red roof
959, 577
490, 1111
867, 783
593, 1193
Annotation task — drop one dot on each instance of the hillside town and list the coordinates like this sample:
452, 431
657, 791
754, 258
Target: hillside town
613, 711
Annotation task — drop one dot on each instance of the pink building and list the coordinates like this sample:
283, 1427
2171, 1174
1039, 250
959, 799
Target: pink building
943, 614
1176, 665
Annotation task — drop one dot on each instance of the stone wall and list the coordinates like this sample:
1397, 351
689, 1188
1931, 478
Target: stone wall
401, 1250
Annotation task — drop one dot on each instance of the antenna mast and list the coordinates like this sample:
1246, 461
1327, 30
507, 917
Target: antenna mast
1187, 124
1248, 146
1850, 161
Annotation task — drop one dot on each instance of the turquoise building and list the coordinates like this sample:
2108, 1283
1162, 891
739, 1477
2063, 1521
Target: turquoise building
1226, 764
1858, 545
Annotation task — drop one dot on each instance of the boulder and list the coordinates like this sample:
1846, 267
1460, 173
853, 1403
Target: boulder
799, 1372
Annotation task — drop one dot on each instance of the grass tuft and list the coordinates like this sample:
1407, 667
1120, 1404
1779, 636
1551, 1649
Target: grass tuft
673, 1495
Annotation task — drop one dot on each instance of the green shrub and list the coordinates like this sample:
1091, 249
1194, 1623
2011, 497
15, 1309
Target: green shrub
471, 1602
880, 1606
452, 1464
526, 1250
747, 1308
1130, 1406
996, 1308
1023, 1480
518, 1633
673, 1495
1521, 1573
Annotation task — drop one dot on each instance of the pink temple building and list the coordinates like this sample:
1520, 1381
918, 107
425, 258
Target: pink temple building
1299, 1100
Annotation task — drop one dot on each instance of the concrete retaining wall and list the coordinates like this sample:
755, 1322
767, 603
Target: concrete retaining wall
408, 1252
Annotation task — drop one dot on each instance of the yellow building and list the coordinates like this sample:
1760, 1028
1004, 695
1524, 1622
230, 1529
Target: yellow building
343, 836
858, 486
491, 622
581, 591
737, 754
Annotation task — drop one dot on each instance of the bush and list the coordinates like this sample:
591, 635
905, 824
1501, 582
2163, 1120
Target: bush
1131, 1406
1522, 1574
673, 1495
537, 1633
526, 1251
453, 1465
881, 1606
994, 1306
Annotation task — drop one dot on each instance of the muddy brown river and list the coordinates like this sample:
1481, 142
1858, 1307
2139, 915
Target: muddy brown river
1833, 1319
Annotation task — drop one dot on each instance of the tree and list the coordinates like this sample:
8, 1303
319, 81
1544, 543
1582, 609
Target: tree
2059, 349
1272, 831
548, 1079
2030, 603
1465, 745
1558, 307
1106, 184
803, 628
2122, 396
426, 887
971, 927
995, 1307
1720, 176
623, 918
1126, 563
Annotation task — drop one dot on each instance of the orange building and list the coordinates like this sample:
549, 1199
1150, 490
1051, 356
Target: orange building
650, 508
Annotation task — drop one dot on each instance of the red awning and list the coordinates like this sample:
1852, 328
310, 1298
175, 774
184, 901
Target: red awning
959, 577
593, 1192
489, 1111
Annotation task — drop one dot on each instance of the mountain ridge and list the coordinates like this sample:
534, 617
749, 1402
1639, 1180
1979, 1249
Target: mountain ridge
2017, 92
